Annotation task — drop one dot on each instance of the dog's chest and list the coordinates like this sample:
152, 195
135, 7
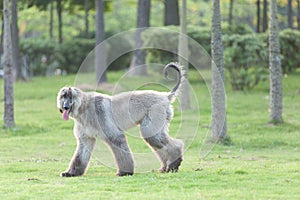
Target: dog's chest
87, 130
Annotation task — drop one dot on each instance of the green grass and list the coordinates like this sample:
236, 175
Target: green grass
263, 161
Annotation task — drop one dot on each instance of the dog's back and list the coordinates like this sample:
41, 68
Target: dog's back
129, 108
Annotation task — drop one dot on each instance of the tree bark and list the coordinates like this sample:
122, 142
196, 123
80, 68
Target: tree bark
219, 127
265, 16
290, 14
100, 50
8, 117
184, 90
171, 12
2, 35
298, 14
137, 65
16, 64
230, 17
258, 16
86, 17
51, 20
59, 15
275, 67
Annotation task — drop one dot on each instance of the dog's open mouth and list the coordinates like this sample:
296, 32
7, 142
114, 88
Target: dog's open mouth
66, 113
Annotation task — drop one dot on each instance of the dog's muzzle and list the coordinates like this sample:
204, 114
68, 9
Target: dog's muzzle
67, 104
67, 107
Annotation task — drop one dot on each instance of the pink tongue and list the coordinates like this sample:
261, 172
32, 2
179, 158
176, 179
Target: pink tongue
65, 115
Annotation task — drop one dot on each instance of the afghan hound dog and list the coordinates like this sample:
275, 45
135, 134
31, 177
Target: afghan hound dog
99, 115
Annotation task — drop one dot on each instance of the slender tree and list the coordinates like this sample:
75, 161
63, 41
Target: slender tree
51, 19
290, 14
171, 12
298, 14
219, 127
265, 16
86, 17
59, 16
2, 33
137, 65
184, 95
100, 57
230, 17
258, 16
16, 63
275, 67
8, 117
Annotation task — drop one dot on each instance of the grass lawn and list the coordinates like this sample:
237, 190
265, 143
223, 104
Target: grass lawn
262, 162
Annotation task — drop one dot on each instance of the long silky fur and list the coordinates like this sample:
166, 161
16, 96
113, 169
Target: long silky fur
98, 115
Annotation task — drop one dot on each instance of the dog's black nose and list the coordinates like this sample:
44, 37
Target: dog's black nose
67, 105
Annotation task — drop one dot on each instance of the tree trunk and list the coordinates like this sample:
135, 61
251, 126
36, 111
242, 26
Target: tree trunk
16, 64
258, 16
137, 65
8, 118
100, 50
275, 67
86, 17
230, 17
171, 12
219, 126
184, 90
51, 20
59, 15
298, 14
290, 14
265, 16
2, 34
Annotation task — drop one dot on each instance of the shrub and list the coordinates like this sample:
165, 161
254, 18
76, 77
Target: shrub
240, 29
246, 55
160, 38
73, 52
116, 46
44, 56
245, 58
290, 45
38, 54
168, 38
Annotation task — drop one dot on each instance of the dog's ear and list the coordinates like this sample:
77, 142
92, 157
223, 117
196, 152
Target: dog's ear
76, 89
62, 91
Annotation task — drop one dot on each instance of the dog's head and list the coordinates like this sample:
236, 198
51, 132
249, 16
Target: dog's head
68, 101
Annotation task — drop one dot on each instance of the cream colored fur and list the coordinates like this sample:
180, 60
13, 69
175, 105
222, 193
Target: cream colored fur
107, 117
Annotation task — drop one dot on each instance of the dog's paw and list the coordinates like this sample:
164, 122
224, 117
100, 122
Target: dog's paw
120, 173
174, 166
67, 174
162, 169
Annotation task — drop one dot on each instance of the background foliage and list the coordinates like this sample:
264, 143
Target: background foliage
42, 55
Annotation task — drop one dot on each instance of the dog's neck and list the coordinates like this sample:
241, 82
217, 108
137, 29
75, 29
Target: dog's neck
79, 111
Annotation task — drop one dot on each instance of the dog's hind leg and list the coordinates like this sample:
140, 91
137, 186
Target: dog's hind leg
81, 157
154, 130
122, 154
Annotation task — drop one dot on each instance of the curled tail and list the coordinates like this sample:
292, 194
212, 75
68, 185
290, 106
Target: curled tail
177, 67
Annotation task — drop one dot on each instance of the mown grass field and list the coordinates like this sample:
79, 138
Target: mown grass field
262, 162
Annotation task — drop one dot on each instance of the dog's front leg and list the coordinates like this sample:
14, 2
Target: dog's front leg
81, 157
122, 154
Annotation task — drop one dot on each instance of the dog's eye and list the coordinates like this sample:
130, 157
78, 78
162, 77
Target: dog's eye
63, 95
